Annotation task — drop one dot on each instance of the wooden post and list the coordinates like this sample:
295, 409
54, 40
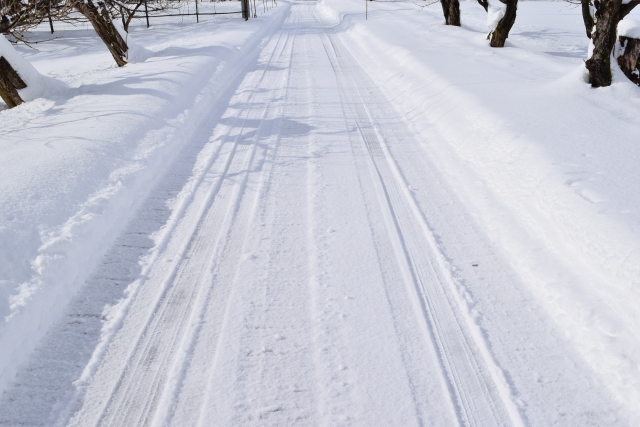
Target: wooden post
146, 12
10, 83
197, 15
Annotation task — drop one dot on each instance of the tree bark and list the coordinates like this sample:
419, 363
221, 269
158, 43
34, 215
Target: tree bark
484, 4
10, 83
500, 34
630, 59
604, 39
586, 16
451, 9
245, 9
100, 19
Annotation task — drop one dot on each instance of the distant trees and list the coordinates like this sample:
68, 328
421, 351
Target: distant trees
19, 16
600, 17
500, 18
16, 18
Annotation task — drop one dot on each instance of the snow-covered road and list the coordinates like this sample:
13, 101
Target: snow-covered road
314, 267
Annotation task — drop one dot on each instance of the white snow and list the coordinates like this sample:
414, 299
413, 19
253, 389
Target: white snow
313, 218
135, 52
629, 28
68, 189
37, 84
495, 12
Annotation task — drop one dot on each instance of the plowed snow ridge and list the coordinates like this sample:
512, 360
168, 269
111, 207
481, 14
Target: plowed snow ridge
309, 266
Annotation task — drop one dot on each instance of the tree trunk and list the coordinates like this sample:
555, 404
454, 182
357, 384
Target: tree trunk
245, 9
586, 16
10, 83
630, 59
604, 39
500, 34
451, 9
100, 19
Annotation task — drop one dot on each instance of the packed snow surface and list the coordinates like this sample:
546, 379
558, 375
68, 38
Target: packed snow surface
313, 219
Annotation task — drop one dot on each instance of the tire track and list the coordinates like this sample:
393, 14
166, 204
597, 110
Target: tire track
192, 406
134, 399
480, 394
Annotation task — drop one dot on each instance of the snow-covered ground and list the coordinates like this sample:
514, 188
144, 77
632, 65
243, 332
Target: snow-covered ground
313, 219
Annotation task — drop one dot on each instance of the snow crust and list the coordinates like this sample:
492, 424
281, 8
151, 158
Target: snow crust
38, 85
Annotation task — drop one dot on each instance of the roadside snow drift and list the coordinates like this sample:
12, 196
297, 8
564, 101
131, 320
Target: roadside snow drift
37, 84
75, 166
310, 217
545, 163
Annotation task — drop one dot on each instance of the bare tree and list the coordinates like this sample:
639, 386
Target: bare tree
501, 32
608, 13
451, 9
99, 15
127, 9
586, 15
17, 17
245, 9
10, 83
630, 58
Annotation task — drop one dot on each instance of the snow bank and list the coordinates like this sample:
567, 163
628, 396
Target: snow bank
37, 84
544, 162
74, 171
629, 28
136, 53
495, 13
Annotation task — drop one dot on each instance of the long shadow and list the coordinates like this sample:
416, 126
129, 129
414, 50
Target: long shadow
43, 388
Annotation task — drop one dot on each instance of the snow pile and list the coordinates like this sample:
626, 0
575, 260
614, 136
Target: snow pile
629, 28
136, 53
37, 84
